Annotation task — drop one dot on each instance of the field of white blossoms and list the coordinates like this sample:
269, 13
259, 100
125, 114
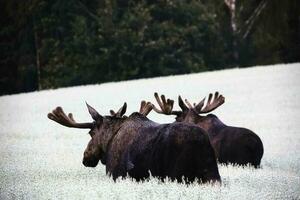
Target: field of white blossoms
40, 159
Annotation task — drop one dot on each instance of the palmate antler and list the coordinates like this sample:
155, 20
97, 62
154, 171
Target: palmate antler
213, 102
166, 106
58, 115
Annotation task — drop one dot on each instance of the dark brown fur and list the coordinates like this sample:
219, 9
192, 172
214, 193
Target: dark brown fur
231, 144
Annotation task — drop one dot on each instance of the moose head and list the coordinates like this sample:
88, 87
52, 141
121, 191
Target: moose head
102, 129
190, 113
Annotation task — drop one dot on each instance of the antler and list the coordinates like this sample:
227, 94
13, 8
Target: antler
213, 102
166, 106
58, 115
145, 108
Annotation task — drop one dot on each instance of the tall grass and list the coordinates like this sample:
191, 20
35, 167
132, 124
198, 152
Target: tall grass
42, 160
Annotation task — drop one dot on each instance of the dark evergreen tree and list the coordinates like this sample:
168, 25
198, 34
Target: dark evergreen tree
58, 43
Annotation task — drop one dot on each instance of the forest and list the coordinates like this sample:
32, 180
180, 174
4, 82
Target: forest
60, 43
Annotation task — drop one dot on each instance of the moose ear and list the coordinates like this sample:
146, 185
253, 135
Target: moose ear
122, 110
95, 115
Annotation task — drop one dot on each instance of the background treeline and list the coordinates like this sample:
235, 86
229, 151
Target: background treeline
57, 43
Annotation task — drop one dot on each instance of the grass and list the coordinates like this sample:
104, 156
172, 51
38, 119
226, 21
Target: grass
42, 160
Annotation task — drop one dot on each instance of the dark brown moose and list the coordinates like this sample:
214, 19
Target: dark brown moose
231, 144
135, 146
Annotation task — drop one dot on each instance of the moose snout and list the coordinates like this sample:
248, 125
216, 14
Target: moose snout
89, 161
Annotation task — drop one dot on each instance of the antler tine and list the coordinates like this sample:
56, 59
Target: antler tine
210, 97
58, 115
166, 106
182, 104
159, 103
199, 106
188, 103
213, 102
145, 108
70, 115
148, 108
143, 103
162, 104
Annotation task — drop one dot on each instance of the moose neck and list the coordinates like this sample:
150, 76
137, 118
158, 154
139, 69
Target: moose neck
121, 136
124, 128
190, 117
141, 120
112, 132
209, 122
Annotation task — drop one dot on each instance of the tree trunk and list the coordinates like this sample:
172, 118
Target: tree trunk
231, 4
38, 62
254, 16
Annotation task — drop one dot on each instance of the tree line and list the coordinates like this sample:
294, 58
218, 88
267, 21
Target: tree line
59, 43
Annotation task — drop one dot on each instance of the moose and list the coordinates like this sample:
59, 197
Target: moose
136, 146
231, 144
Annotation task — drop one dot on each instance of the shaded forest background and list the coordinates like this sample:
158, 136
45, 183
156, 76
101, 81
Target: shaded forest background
58, 43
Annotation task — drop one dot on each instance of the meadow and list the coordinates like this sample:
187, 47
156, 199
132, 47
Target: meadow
40, 159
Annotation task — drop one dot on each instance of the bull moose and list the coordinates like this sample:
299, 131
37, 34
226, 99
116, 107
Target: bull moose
231, 144
135, 146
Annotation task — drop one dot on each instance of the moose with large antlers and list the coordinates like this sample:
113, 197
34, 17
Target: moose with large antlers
135, 145
231, 144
